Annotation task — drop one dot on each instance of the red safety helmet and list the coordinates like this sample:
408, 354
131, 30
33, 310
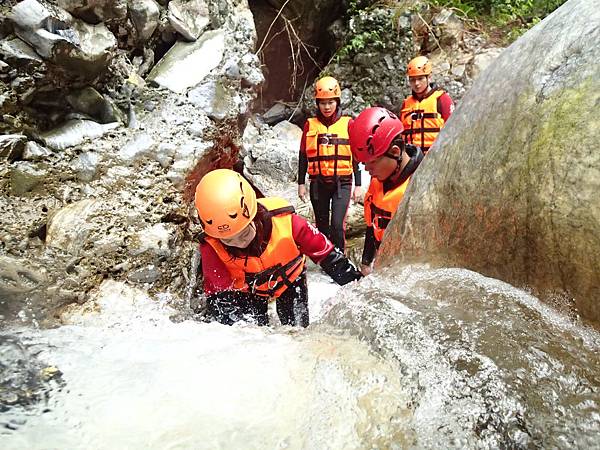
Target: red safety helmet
372, 132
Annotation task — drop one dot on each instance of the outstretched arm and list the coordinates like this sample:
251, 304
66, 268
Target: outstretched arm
317, 247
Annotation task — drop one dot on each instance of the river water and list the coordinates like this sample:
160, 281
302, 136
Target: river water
416, 358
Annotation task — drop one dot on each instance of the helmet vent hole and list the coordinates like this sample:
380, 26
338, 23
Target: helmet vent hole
209, 222
233, 216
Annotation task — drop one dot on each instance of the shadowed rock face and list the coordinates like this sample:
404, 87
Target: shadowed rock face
511, 187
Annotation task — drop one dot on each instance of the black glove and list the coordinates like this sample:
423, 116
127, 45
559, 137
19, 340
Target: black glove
339, 268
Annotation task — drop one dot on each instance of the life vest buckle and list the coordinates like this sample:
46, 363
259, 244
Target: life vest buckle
324, 139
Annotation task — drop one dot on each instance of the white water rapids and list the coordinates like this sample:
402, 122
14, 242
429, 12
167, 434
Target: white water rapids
421, 359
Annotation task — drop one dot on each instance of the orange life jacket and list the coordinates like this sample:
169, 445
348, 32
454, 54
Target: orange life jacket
328, 149
421, 120
380, 207
281, 262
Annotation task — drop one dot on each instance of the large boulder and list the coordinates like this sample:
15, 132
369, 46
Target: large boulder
510, 188
62, 39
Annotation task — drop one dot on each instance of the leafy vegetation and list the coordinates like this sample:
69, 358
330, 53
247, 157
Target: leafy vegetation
514, 17
367, 39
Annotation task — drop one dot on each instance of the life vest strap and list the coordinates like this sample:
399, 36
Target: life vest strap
375, 210
383, 222
417, 130
283, 210
279, 273
329, 158
418, 115
324, 139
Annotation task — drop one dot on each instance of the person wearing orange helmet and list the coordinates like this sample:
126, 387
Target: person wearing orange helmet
326, 156
427, 109
254, 250
376, 140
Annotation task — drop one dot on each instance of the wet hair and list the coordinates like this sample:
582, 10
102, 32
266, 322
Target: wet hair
399, 142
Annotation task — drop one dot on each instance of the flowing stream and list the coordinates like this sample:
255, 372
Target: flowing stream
418, 358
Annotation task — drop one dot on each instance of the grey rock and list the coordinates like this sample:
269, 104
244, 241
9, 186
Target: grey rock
273, 151
89, 101
25, 176
389, 61
148, 274
155, 240
276, 113
232, 70
214, 100
12, 146
75, 132
165, 154
141, 144
145, 16
87, 165
186, 64
482, 60
189, 17
69, 228
510, 187
35, 152
250, 70
17, 279
19, 51
64, 40
458, 70
95, 11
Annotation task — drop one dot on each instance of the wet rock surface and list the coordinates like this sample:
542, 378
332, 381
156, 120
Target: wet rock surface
510, 187
95, 167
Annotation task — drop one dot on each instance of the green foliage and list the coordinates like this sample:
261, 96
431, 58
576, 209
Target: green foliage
354, 6
367, 39
520, 14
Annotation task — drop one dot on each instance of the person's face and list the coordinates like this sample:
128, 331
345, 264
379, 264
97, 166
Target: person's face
419, 84
241, 239
381, 167
327, 106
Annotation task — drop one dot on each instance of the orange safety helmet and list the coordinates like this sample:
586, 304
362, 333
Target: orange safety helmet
419, 66
372, 133
226, 203
327, 87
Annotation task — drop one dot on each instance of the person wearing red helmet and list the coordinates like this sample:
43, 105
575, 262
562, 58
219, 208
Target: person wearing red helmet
254, 250
376, 140
427, 109
325, 154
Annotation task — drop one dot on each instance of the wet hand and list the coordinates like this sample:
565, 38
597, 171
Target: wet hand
357, 194
302, 192
366, 269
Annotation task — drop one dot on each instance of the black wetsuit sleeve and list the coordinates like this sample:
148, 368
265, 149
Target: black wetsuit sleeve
370, 248
302, 167
339, 268
357, 173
